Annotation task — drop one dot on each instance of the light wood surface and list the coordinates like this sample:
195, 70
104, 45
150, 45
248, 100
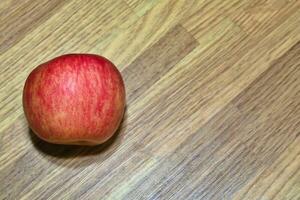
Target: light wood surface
213, 99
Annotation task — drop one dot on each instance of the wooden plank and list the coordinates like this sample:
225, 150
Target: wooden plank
212, 99
19, 18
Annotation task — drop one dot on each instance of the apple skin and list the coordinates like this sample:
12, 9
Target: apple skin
76, 99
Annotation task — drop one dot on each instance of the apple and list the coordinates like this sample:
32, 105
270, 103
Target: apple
75, 99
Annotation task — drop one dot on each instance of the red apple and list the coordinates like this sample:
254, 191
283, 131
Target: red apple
74, 99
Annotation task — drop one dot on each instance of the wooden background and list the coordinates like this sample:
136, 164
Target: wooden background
213, 99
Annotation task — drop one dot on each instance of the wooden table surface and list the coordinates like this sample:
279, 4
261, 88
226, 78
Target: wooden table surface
213, 99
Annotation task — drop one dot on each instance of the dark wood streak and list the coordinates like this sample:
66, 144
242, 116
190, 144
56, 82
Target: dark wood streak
157, 60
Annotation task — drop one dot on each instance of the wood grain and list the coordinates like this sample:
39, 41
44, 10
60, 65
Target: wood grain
213, 99
22, 17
